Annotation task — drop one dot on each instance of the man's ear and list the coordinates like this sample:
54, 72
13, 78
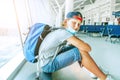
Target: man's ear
65, 22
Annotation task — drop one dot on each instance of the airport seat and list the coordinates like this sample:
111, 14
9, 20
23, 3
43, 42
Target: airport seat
90, 28
113, 32
82, 28
104, 31
95, 29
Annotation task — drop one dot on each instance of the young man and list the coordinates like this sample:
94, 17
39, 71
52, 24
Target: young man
61, 48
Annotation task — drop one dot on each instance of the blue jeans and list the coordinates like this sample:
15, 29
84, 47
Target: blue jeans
66, 57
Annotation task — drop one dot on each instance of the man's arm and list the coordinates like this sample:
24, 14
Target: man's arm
81, 45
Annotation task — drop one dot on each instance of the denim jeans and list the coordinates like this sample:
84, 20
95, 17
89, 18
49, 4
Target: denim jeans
66, 57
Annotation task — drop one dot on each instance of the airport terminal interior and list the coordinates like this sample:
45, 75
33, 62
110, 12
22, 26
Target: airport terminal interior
100, 28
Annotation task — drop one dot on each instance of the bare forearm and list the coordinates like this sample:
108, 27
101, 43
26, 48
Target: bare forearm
80, 44
84, 47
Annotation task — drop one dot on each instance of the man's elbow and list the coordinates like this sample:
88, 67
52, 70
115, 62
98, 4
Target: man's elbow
85, 48
88, 47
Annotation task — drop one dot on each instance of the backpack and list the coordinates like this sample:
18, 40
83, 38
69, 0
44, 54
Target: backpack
33, 41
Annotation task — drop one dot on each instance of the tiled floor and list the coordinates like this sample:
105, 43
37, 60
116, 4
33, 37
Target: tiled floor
73, 72
105, 54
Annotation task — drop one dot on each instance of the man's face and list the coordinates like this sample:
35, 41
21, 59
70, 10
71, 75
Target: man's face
74, 24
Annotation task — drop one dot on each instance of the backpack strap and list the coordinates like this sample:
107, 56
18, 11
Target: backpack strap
58, 49
46, 30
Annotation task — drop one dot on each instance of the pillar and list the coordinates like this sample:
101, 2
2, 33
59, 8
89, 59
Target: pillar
69, 6
112, 17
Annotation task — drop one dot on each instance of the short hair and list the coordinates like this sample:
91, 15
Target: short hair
78, 13
71, 14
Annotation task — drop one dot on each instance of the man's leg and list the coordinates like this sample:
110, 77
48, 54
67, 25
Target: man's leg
67, 56
62, 60
90, 65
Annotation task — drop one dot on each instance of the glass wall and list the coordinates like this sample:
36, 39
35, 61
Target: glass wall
16, 18
14, 23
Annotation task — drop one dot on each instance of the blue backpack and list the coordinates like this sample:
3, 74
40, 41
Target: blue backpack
34, 39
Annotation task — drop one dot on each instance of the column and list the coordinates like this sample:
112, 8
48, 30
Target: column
60, 17
112, 17
69, 6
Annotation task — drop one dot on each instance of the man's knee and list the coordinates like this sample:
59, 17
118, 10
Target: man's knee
84, 53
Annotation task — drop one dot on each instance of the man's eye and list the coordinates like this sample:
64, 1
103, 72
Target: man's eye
78, 24
74, 22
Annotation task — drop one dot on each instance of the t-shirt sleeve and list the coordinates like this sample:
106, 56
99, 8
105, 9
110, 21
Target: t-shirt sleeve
64, 35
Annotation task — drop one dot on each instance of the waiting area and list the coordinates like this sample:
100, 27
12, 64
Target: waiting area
110, 31
105, 53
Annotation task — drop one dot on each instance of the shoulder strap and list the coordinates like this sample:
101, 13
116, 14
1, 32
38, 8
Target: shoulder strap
46, 30
58, 49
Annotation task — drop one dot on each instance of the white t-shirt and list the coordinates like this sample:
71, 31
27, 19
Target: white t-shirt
50, 44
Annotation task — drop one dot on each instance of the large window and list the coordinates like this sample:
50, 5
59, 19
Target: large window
12, 29
16, 16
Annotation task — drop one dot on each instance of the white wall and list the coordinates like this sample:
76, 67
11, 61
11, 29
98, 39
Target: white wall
99, 11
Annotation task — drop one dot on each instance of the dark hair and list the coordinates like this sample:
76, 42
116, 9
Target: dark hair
78, 13
71, 14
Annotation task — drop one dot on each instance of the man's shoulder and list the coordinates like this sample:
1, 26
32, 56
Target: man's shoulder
60, 34
63, 33
61, 30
